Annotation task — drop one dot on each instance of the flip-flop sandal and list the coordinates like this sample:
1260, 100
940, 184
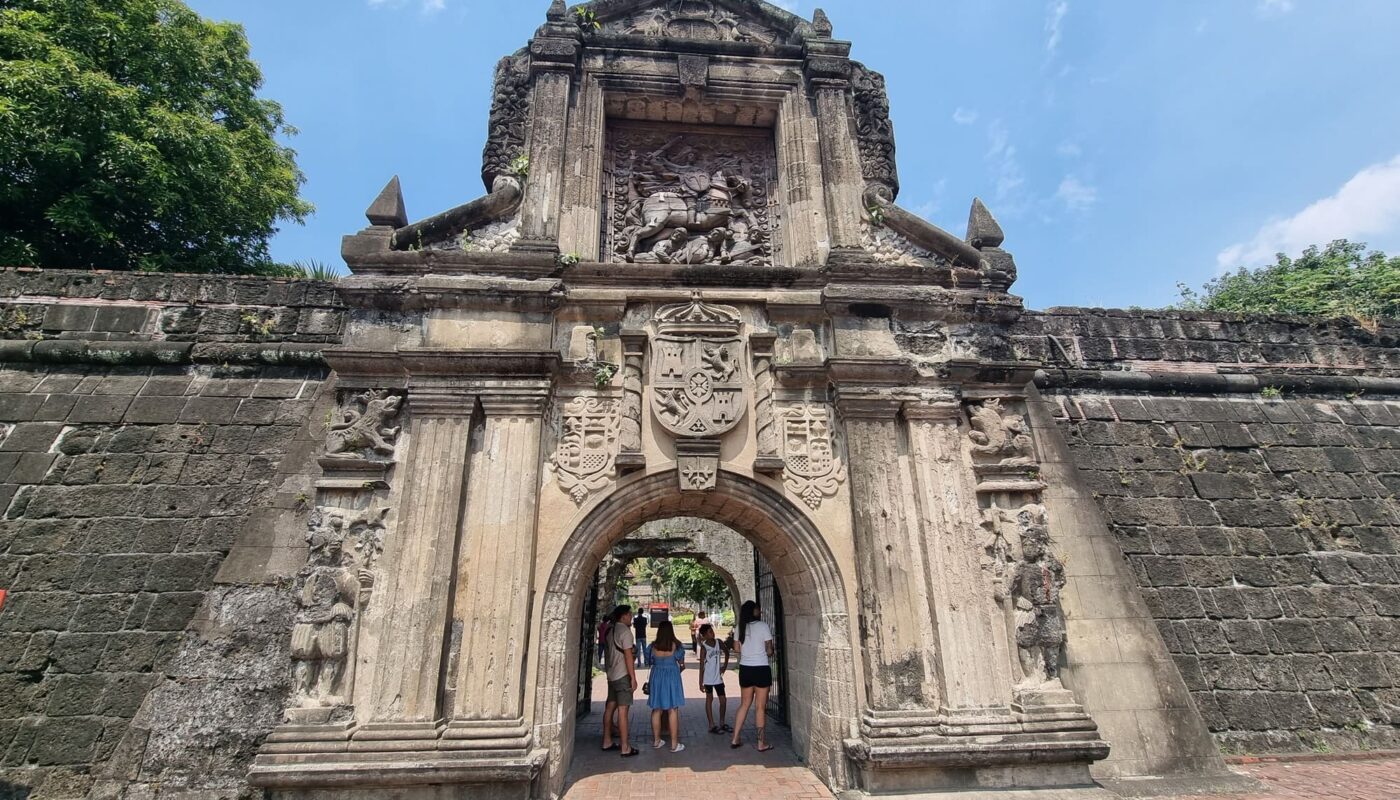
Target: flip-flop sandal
765, 748
736, 745
726, 729
612, 747
633, 753
715, 729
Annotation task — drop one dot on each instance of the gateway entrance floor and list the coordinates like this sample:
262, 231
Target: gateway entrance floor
708, 768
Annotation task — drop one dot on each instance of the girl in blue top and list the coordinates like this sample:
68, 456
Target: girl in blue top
667, 694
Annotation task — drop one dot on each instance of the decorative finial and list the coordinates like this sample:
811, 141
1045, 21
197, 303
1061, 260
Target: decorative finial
388, 209
982, 228
557, 11
821, 24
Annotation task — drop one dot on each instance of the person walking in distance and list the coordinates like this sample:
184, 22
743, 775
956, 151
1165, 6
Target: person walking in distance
621, 671
711, 651
639, 625
695, 630
755, 673
667, 694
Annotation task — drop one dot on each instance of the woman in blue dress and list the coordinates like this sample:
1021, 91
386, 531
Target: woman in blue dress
667, 694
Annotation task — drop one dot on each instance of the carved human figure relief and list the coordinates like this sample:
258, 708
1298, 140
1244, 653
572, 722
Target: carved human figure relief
1033, 584
585, 458
342, 548
363, 425
678, 196
692, 19
812, 465
697, 369
1000, 434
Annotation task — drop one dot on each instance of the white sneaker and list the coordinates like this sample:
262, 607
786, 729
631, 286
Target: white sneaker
677, 748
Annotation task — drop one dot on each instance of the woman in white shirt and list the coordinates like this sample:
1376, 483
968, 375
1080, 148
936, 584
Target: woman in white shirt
755, 674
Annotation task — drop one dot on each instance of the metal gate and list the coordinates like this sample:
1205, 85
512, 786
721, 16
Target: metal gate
770, 599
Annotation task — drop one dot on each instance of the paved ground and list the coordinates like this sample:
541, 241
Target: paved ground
709, 767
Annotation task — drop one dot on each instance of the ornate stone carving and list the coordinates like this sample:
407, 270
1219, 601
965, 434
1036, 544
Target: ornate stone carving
508, 125
673, 196
1033, 584
874, 131
697, 374
494, 237
692, 19
363, 427
890, 247
343, 546
1000, 434
588, 441
630, 456
813, 467
697, 464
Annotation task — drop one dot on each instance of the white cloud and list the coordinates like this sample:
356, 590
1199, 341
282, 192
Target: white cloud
1076, 194
1273, 8
1054, 25
964, 116
426, 6
1367, 205
1069, 150
929, 208
1006, 168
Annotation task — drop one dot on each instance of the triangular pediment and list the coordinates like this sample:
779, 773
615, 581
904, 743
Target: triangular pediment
751, 21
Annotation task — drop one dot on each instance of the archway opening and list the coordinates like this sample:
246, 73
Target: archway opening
816, 645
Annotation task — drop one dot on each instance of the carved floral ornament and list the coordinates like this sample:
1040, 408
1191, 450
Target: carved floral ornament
813, 469
585, 458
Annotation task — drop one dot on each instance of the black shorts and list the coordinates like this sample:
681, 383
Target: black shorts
755, 677
716, 688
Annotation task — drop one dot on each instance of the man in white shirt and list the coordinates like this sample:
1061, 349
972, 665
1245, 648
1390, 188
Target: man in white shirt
622, 680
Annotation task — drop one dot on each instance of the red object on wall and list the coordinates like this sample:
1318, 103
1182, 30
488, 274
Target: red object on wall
2, 599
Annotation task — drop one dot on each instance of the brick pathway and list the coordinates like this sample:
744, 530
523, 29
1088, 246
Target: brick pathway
708, 766
1368, 779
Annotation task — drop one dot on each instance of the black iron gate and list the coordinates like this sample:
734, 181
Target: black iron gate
770, 599
587, 650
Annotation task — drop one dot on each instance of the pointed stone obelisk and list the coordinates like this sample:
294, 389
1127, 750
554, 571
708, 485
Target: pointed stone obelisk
388, 209
982, 228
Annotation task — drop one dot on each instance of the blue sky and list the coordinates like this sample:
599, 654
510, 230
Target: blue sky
1125, 145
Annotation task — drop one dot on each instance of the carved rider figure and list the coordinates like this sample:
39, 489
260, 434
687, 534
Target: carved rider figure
1034, 583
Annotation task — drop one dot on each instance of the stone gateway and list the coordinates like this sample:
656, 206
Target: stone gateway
342, 541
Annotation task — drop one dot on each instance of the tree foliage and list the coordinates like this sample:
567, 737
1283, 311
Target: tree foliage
1342, 279
131, 137
684, 579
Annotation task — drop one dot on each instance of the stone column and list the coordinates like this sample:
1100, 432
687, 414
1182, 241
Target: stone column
553, 57
768, 460
629, 451
972, 645
897, 630
410, 612
495, 567
828, 73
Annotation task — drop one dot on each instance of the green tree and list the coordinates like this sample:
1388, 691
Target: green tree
683, 579
1342, 279
131, 137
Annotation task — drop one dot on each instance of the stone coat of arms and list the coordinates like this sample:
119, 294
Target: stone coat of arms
812, 468
697, 369
587, 449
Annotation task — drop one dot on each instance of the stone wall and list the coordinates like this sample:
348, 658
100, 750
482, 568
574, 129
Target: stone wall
143, 418
1248, 469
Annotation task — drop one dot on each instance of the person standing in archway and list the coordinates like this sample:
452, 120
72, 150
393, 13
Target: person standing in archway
622, 681
639, 625
667, 694
711, 651
755, 673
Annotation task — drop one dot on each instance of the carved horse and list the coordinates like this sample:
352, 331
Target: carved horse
668, 210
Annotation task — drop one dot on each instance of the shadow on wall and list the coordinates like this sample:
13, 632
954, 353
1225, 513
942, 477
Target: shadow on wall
13, 791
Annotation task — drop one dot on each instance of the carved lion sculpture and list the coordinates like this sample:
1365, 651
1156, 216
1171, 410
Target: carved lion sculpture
996, 432
364, 425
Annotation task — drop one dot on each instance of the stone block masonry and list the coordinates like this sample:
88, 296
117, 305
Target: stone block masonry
126, 476
1261, 525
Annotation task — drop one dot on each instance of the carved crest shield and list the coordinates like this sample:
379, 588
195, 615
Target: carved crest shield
813, 470
587, 445
697, 369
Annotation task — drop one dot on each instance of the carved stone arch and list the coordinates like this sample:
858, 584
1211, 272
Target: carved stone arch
822, 667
